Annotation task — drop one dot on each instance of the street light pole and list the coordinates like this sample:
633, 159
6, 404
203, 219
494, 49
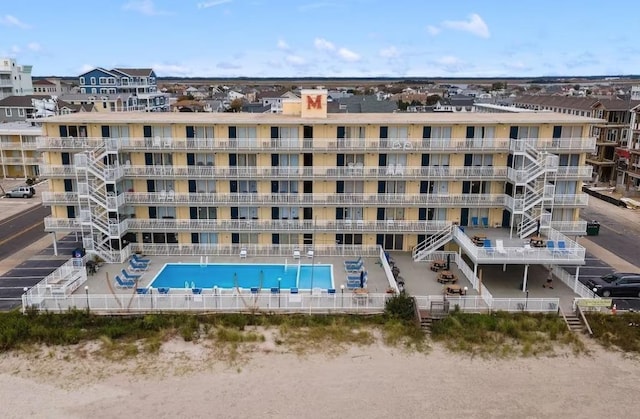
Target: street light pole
342, 297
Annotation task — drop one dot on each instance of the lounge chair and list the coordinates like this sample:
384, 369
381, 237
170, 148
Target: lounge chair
500, 247
552, 247
474, 221
142, 291
129, 275
243, 253
138, 267
139, 259
163, 290
562, 248
485, 222
124, 283
196, 291
354, 268
353, 262
488, 248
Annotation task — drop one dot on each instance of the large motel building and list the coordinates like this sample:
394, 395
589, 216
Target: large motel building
202, 183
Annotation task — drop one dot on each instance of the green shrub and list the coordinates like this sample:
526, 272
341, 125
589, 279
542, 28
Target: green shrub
400, 306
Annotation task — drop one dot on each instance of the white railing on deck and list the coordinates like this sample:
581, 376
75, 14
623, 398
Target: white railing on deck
387, 270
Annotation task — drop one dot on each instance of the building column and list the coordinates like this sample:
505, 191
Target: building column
55, 243
524, 279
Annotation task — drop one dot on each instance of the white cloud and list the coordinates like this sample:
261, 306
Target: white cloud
10, 20
282, 44
146, 7
348, 55
433, 30
172, 70
212, 3
323, 45
390, 52
295, 60
34, 46
475, 25
85, 67
15, 49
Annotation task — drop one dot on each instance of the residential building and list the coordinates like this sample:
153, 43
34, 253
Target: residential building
19, 157
52, 86
456, 103
196, 182
22, 108
137, 87
612, 133
101, 103
274, 100
15, 79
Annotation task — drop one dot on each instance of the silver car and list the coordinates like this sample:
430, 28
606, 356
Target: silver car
21, 192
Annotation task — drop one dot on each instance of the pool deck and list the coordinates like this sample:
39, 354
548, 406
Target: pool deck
99, 283
419, 279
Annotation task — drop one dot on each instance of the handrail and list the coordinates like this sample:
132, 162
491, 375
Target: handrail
564, 318
584, 319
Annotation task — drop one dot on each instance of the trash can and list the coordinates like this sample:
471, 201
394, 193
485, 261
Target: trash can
593, 228
78, 252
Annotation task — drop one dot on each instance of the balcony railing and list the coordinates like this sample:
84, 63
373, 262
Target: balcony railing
267, 144
17, 145
574, 172
571, 200
180, 225
578, 228
296, 172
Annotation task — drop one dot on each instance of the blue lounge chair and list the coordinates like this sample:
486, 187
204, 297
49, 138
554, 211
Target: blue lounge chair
485, 222
562, 247
353, 262
196, 291
128, 275
552, 247
142, 291
474, 221
124, 283
354, 268
163, 290
138, 259
488, 248
138, 267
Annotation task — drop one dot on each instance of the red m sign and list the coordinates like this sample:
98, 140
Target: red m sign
314, 103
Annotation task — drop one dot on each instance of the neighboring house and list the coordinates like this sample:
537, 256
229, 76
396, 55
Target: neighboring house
101, 103
456, 103
19, 155
274, 100
52, 86
233, 95
362, 104
15, 80
612, 134
137, 87
22, 108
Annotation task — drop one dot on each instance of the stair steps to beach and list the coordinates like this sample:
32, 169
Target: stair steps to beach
425, 321
575, 324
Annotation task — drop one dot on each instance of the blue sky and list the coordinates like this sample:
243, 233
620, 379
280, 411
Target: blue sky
346, 38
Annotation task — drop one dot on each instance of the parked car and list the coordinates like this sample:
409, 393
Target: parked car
617, 284
21, 192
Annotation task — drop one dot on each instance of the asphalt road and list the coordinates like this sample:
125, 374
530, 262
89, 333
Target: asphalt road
22, 229
619, 229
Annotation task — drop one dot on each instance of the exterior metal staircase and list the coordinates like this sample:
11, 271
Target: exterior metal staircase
97, 206
532, 180
432, 243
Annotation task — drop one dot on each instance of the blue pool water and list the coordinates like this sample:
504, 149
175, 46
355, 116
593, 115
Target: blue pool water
228, 275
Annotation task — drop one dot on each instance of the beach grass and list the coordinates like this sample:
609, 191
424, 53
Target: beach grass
502, 334
621, 331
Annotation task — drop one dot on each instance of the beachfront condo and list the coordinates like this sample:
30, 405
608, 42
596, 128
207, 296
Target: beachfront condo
215, 183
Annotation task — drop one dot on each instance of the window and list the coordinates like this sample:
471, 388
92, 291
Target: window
352, 159
161, 185
398, 132
93, 81
248, 160
204, 238
20, 111
348, 239
117, 131
7, 111
350, 213
248, 186
94, 90
394, 186
482, 160
205, 186
439, 160
102, 80
203, 132
204, 159
288, 160
288, 213
285, 137
245, 136
354, 186
284, 238
248, 213
159, 159
397, 159
204, 213
571, 132
441, 132
527, 132
82, 80
390, 214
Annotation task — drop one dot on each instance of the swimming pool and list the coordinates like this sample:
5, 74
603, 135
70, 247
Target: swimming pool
245, 275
